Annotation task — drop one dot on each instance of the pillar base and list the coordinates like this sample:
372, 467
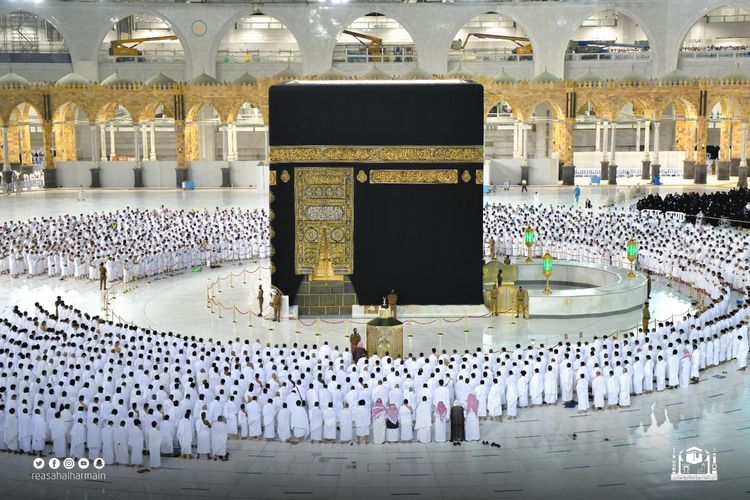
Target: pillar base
568, 175
700, 173
604, 173
646, 170
96, 181
50, 178
612, 175
225, 178
137, 177
722, 170
742, 174
688, 169
525, 174
181, 176
734, 164
655, 171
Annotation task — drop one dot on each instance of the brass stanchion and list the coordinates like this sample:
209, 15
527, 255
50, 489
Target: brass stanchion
411, 330
234, 314
249, 316
296, 325
231, 280
317, 327
466, 322
440, 327
220, 308
244, 279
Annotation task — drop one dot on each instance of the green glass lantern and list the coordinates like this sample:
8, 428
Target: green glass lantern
529, 237
547, 268
632, 256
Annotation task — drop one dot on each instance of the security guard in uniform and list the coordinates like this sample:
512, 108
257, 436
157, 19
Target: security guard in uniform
522, 302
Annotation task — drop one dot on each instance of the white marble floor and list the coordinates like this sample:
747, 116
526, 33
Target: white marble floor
546, 452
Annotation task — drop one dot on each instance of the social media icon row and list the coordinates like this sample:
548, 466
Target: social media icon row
69, 463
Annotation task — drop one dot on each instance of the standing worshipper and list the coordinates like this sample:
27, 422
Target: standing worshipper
121, 444
441, 423
423, 425
39, 431
219, 436
299, 421
153, 439
599, 389
316, 423
577, 193
511, 396
582, 393
406, 422
625, 388
392, 430
378, 422
284, 423
550, 386
203, 436
345, 420
108, 443
260, 300
269, 420
458, 431
185, 436
10, 432
329, 423
135, 442
362, 421
613, 389
742, 351
254, 419
77, 439
102, 276
472, 418
93, 438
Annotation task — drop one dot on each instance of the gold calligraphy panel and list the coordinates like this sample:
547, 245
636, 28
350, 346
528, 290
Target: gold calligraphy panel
377, 154
324, 218
429, 176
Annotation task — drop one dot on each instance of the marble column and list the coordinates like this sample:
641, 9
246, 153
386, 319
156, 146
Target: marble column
95, 170
111, 141
152, 150
612, 174
605, 138
525, 153
137, 144
742, 168
144, 140
103, 140
638, 135
225, 142
516, 140
598, 140
235, 154
7, 174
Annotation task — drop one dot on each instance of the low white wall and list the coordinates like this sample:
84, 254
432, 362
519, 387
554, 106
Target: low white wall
159, 174
628, 159
244, 173
205, 173
117, 174
73, 173
541, 170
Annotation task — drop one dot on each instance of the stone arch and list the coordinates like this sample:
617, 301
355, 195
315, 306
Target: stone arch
499, 12
224, 30
145, 9
20, 142
691, 20
406, 55
198, 132
65, 130
53, 46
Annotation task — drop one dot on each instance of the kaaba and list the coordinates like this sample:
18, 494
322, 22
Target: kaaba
379, 183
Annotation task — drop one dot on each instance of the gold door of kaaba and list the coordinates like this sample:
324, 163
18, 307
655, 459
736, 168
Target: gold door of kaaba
324, 222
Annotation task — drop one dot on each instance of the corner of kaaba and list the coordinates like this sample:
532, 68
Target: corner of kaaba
376, 187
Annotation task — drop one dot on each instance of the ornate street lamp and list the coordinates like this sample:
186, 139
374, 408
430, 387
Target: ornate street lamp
547, 268
529, 237
632, 255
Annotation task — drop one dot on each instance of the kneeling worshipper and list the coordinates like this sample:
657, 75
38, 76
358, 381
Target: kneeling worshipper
458, 433
392, 430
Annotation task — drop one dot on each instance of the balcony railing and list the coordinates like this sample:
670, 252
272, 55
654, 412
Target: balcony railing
383, 54
634, 55
251, 56
735, 53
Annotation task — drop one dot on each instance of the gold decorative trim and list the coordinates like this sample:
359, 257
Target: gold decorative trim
466, 176
273, 268
479, 177
272, 232
362, 176
430, 176
379, 154
271, 215
272, 177
285, 176
271, 197
273, 250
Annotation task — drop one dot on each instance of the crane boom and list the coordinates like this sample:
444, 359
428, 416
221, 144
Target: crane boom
121, 47
374, 40
522, 42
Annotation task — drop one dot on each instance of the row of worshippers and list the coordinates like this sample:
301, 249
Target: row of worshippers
703, 207
131, 243
666, 245
84, 368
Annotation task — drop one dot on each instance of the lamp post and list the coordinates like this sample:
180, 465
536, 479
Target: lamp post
632, 255
529, 237
547, 268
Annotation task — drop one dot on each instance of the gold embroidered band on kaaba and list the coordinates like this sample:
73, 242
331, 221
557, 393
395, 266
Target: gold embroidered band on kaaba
376, 154
429, 176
